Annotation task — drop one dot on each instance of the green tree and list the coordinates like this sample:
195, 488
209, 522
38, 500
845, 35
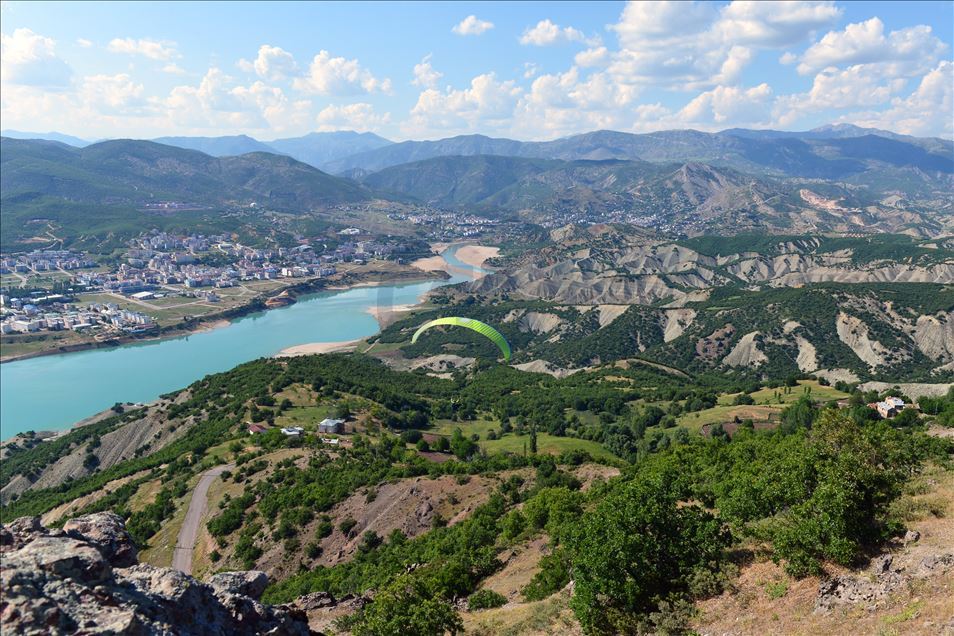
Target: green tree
407, 608
638, 546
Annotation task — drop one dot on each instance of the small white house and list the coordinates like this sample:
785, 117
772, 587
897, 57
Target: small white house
293, 431
329, 425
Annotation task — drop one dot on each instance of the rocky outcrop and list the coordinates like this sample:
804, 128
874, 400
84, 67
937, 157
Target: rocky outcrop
85, 579
854, 332
884, 578
934, 336
539, 323
746, 352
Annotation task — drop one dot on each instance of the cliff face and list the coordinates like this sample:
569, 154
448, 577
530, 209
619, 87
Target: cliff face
86, 579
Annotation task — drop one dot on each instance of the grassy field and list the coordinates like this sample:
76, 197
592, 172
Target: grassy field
723, 414
546, 443
779, 396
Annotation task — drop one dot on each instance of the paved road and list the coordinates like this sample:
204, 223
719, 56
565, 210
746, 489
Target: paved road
182, 555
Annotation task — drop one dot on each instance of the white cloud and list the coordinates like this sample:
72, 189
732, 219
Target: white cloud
217, 102
424, 74
928, 111
788, 58
853, 87
485, 106
153, 49
273, 63
865, 42
339, 76
773, 23
592, 57
472, 25
173, 69
693, 45
29, 59
728, 105
546, 33
113, 94
359, 117
83, 42
566, 103
530, 69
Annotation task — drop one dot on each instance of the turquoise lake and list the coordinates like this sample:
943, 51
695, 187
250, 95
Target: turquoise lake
53, 392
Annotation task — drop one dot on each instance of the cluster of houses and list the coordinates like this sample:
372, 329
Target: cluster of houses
51, 313
888, 407
327, 426
39, 261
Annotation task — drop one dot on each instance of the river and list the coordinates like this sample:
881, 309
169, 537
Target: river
51, 393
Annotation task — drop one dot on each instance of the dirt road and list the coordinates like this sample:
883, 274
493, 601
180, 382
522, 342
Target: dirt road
182, 555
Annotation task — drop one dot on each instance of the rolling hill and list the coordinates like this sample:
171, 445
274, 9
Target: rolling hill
137, 173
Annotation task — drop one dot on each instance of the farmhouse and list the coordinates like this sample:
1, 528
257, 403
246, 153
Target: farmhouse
329, 425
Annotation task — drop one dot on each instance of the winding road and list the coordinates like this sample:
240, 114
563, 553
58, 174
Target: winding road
185, 544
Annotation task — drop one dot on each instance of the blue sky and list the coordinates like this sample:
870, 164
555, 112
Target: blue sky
431, 70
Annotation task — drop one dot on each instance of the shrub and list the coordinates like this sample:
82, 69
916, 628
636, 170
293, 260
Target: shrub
485, 599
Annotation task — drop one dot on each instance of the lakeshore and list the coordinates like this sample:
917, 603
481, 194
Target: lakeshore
87, 382
225, 318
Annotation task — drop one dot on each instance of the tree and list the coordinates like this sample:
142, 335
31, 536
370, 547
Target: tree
533, 440
636, 547
407, 608
461, 446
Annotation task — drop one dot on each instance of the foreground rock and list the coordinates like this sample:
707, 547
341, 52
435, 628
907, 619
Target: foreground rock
86, 579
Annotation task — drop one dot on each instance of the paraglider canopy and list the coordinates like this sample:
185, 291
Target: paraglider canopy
475, 325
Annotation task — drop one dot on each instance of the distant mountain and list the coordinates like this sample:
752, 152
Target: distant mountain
49, 136
228, 146
450, 181
692, 196
849, 154
320, 148
407, 151
134, 173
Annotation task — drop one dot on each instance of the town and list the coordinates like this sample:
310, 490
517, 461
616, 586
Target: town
162, 279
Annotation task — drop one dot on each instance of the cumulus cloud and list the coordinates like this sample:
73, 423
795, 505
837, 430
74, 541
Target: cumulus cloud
773, 24
546, 33
853, 87
329, 75
83, 42
29, 59
153, 49
217, 102
928, 111
359, 117
113, 94
486, 105
692, 45
424, 74
729, 105
173, 69
273, 63
592, 57
472, 25
865, 42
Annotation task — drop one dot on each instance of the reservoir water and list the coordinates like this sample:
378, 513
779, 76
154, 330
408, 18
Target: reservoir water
53, 392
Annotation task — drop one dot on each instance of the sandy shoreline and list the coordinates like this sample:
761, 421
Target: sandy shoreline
473, 255
313, 348
477, 255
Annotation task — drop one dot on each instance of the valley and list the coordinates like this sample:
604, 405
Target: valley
772, 403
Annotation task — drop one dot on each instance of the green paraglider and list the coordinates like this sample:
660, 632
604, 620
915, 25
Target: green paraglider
475, 325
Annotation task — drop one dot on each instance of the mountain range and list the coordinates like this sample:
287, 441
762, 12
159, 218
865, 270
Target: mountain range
838, 179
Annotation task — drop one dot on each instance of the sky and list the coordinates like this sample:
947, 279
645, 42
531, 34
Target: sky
529, 71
